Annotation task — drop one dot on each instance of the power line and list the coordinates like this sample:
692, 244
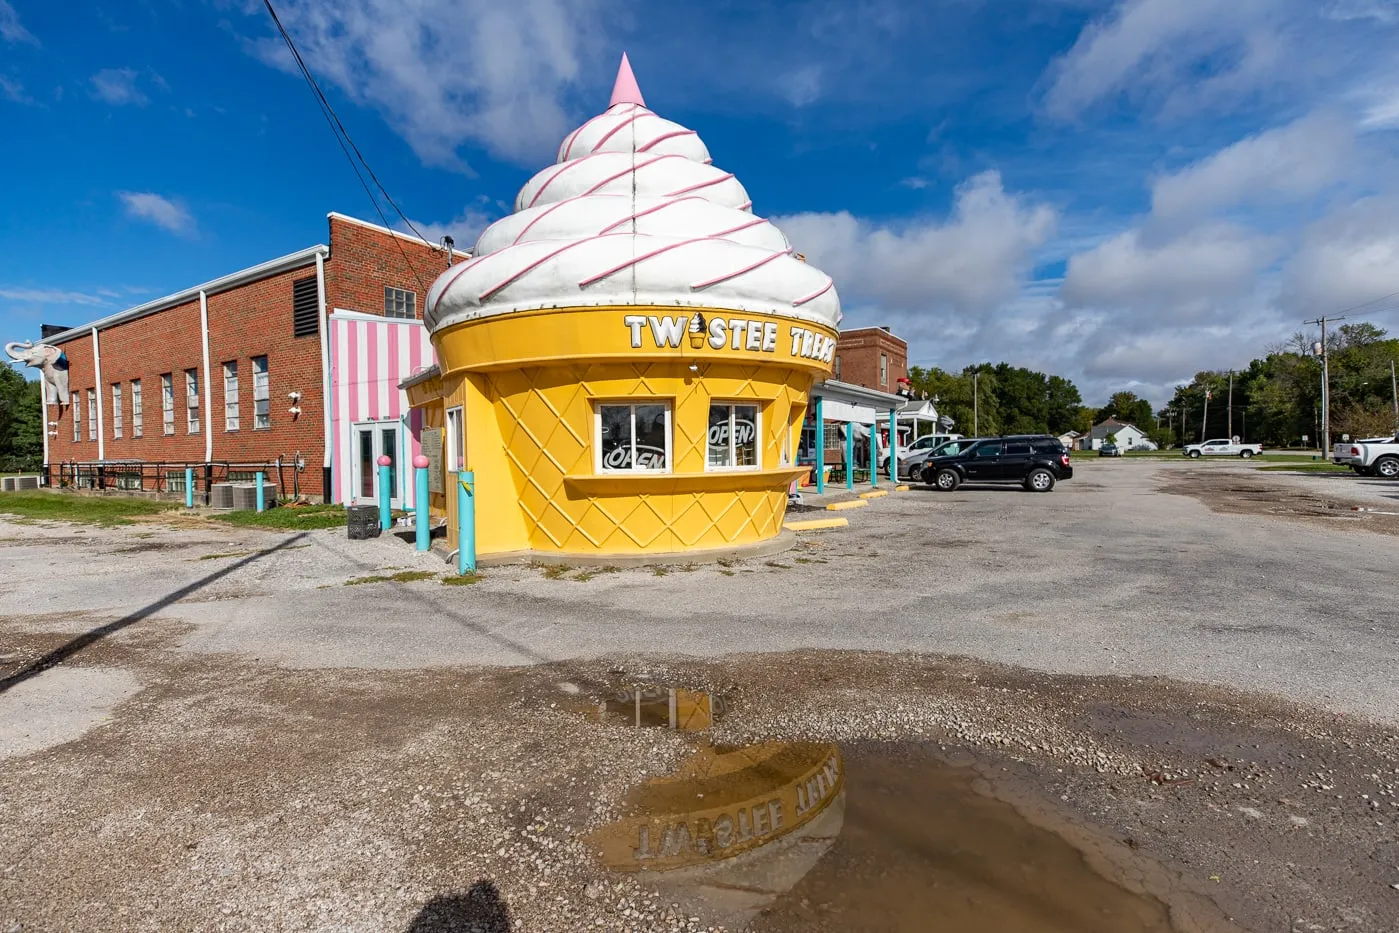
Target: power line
1365, 305
342, 136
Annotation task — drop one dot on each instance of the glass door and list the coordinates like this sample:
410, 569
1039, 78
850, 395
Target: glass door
369, 442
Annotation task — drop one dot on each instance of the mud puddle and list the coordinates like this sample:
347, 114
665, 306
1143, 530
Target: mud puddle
810, 836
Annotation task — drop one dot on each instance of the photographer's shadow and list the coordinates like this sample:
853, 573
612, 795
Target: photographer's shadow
480, 910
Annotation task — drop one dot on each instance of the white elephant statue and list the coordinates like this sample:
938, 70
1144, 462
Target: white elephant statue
50, 361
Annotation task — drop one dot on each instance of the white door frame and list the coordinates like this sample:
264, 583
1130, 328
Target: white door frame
377, 429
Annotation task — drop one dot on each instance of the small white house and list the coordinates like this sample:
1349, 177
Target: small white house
1070, 439
1128, 436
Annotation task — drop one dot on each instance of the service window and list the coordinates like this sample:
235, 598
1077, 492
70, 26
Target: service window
633, 438
456, 440
732, 436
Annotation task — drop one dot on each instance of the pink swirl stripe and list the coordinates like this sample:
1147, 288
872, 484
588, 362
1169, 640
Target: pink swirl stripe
453, 280
542, 214
650, 210
634, 167
830, 283
563, 168
532, 266
597, 146
663, 137
756, 221
704, 184
566, 151
636, 259
696, 286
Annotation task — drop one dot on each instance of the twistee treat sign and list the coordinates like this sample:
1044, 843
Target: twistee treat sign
732, 333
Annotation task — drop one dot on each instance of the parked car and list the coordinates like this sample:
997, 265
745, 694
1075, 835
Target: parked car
1109, 450
919, 449
911, 467
1370, 457
1349, 453
1035, 461
1222, 448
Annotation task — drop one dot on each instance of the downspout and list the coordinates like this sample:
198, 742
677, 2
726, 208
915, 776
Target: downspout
101, 422
327, 486
44, 416
208, 383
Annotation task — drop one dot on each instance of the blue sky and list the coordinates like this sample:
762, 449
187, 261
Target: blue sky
1118, 192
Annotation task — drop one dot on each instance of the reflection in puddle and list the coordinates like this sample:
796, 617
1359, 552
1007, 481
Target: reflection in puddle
665, 707
762, 837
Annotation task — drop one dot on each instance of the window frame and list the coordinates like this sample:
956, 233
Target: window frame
262, 421
92, 414
138, 427
232, 412
732, 465
77, 418
884, 369
835, 369
454, 435
118, 422
633, 403
167, 403
409, 303
192, 401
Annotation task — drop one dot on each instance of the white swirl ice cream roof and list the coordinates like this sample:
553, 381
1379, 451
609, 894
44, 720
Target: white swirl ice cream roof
633, 212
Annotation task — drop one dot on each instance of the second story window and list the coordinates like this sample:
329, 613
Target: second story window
837, 367
230, 395
77, 418
883, 370
137, 428
262, 398
92, 414
400, 303
192, 400
167, 401
116, 410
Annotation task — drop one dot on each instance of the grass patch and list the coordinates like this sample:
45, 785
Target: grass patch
803, 560
466, 579
403, 576
229, 554
38, 505
659, 571
1320, 467
583, 576
288, 518
554, 571
777, 565
726, 572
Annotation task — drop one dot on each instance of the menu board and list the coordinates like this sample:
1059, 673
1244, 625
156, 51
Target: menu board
432, 449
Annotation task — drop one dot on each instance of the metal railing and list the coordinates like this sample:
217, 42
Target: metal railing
167, 477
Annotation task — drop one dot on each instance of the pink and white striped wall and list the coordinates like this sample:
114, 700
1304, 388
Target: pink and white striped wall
369, 357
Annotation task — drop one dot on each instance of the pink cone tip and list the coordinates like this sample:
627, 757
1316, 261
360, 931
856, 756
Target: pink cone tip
626, 90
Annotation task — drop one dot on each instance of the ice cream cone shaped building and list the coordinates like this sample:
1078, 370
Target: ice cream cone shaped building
625, 361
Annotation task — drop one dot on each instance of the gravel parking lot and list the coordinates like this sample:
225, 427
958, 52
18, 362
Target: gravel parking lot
1159, 665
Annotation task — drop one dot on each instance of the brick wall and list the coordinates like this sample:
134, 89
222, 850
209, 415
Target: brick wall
858, 352
363, 260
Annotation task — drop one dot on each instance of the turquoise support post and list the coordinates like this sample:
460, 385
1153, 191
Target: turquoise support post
849, 455
421, 519
261, 496
820, 448
874, 452
189, 487
466, 522
893, 446
385, 494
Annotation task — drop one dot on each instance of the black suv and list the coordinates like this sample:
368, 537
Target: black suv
1036, 461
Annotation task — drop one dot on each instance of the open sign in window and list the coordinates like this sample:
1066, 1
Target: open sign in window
732, 441
633, 438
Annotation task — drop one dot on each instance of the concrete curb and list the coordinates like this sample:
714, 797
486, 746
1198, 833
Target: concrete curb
816, 524
851, 504
785, 541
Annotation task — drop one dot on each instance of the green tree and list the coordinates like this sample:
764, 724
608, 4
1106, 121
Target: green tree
21, 418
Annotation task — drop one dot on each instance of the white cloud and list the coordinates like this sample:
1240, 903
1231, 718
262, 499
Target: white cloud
915, 182
975, 259
802, 86
446, 73
464, 229
1188, 274
49, 296
1382, 108
1289, 162
1347, 258
11, 29
117, 86
12, 90
163, 212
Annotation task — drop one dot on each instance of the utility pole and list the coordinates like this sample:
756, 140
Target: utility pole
1394, 386
1231, 404
1325, 385
976, 403
1205, 418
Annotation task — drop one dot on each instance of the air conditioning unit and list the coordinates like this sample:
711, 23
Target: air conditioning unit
221, 496
245, 495
26, 482
7, 483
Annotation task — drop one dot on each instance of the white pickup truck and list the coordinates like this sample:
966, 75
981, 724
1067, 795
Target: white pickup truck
1370, 456
1222, 447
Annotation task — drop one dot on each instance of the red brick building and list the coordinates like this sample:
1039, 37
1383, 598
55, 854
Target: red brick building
871, 357
234, 375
